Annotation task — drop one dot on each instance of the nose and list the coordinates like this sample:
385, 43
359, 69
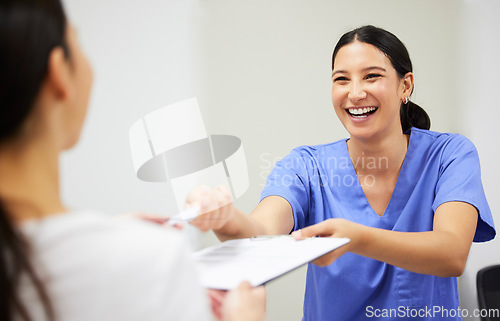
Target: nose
356, 92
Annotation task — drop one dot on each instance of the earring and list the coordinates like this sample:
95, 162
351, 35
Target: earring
406, 100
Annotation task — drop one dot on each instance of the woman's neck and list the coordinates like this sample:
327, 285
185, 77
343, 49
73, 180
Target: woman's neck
378, 157
29, 179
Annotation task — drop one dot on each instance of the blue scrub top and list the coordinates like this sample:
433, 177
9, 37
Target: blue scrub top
320, 183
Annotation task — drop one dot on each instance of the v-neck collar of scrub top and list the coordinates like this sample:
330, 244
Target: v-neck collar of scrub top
399, 195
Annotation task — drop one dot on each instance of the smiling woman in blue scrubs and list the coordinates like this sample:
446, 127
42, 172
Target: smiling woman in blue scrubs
411, 200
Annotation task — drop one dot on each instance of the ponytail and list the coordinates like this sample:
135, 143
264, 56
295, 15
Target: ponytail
412, 115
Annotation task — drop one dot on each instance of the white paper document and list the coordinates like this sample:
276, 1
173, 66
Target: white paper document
258, 260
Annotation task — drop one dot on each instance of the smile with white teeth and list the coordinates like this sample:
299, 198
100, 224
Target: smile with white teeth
361, 112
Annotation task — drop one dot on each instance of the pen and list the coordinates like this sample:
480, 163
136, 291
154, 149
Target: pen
270, 236
184, 216
267, 237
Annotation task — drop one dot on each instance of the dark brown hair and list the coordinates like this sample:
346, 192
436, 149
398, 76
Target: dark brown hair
29, 31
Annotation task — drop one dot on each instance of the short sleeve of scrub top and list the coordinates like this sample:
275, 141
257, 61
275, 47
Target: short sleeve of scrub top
460, 180
320, 183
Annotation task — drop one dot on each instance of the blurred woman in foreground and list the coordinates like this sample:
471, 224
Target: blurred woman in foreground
60, 264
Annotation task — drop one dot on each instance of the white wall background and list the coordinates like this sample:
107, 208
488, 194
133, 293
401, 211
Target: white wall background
479, 110
141, 52
261, 71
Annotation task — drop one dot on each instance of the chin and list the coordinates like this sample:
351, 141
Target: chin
361, 132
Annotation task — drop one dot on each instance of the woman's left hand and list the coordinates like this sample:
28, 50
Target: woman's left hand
244, 303
216, 302
334, 227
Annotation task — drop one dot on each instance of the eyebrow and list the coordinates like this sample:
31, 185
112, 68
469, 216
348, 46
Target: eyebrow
364, 70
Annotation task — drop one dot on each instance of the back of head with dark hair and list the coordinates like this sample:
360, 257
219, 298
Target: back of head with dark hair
411, 114
29, 30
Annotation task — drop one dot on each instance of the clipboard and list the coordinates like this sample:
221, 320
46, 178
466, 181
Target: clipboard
258, 260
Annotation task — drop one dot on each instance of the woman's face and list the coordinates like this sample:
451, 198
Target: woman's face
81, 77
367, 91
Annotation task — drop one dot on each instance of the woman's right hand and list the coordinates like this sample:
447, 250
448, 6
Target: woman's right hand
334, 227
216, 207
